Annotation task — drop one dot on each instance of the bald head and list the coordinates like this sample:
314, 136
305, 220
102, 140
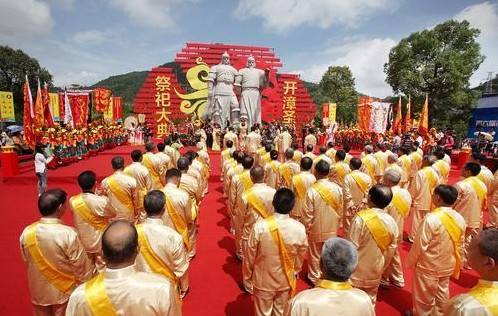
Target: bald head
289, 153
339, 259
257, 174
392, 177
392, 158
120, 244
368, 149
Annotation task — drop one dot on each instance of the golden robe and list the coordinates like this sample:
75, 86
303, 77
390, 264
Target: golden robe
156, 169
173, 155
264, 265
131, 293
130, 188
322, 221
62, 248
301, 182
355, 198
421, 189
320, 301
252, 143
467, 305
433, 258
168, 245
371, 166
372, 261
190, 185
144, 184
271, 173
238, 211
294, 169
338, 172
182, 205
403, 183
493, 202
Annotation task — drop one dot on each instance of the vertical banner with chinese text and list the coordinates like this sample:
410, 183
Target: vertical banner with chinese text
289, 103
332, 112
117, 105
325, 114
163, 104
7, 107
54, 106
108, 112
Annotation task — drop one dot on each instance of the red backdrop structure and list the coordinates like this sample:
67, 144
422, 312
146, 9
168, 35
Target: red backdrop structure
178, 90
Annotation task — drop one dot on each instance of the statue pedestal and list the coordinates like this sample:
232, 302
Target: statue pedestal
10, 163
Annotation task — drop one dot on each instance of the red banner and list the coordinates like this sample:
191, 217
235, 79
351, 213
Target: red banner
364, 113
397, 120
423, 126
117, 108
79, 106
38, 119
49, 120
29, 135
102, 99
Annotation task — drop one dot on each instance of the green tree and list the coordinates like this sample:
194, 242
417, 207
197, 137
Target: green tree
439, 62
14, 66
338, 86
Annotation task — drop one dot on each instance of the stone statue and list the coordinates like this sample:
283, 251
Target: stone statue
251, 80
222, 104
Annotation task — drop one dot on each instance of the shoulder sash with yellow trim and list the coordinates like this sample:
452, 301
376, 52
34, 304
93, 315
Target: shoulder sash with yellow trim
153, 172
362, 184
332, 285
266, 158
61, 281
407, 163
455, 233
286, 173
256, 203
400, 203
326, 195
156, 264
298, 182
486, 295
380, 159
225, 154
245, 179
80, 207
274, 166
340, 169
377, 228
120, 194
97, 299
369, 165
431, 177
286, 260
178, 222
479, 187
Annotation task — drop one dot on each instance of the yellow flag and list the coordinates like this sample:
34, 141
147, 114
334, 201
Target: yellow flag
7, 107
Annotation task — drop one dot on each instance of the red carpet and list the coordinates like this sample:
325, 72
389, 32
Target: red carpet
214, 273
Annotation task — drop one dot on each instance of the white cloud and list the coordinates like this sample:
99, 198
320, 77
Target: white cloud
89, 37
366, 60
152, 13
484, 16
83, 77
282, 15
21, 18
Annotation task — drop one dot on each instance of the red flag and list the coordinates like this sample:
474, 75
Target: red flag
397, 120
117, 108
47, 112
28, 114
423, 125
408, 116
38, 119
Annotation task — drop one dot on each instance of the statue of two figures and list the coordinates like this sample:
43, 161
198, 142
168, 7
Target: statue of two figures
225, 83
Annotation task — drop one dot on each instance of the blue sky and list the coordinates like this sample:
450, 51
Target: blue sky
85, 41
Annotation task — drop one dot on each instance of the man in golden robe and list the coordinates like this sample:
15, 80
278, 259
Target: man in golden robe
199, 170
310, 139
240, 183
405, 162
301, 182
252, 142
173, 153
417, 160
272, 238
322, 214
122, 191
481, 299
435, 254
421, 189
163, 158
340, 169
374, 233
264, 155
154, 165
178, 214
471, 202
202, 154
271, 170
334, 292
287, 169
91, 214
393, 164
256, 203
309, 152
226, 154
230, 136
330, 151
190, 185
144, 181
399, 208
381, 157
234, 169
370, 165
355, 192
162, 249
55, 259
121, 289
322, 156
487, 177
283, 142
442, 167
493, 202
298, 155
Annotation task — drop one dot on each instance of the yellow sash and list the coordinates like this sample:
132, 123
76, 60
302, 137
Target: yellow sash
60, 280
417, 159
245, 178
431, 178
233, 163
486, 295
286, 172
455, 233
326, 195
256, 203
401, 205
225, 154
97, 299
156, 264
380, 160
340, 169
148, 163
120, 194
80, 207
297, 156
266, 158
287, 262
178, 222
298, 182
362, 184
332, 285
479, 187
377, 228
407, 164
442, 167
369, 165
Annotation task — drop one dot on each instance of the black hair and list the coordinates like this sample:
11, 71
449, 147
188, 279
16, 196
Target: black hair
87, 179
355, 163
340, 155
306, 163
154, 202
283, 201
136, 155
447, 193
322, 168
473, 167
380, 195
50, 200
117, 162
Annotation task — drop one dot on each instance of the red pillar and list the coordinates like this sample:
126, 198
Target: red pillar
10, 163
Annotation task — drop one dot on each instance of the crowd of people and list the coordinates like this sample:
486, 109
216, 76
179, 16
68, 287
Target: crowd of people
136, 232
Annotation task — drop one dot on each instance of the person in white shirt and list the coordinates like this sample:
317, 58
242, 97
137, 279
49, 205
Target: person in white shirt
41, 163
